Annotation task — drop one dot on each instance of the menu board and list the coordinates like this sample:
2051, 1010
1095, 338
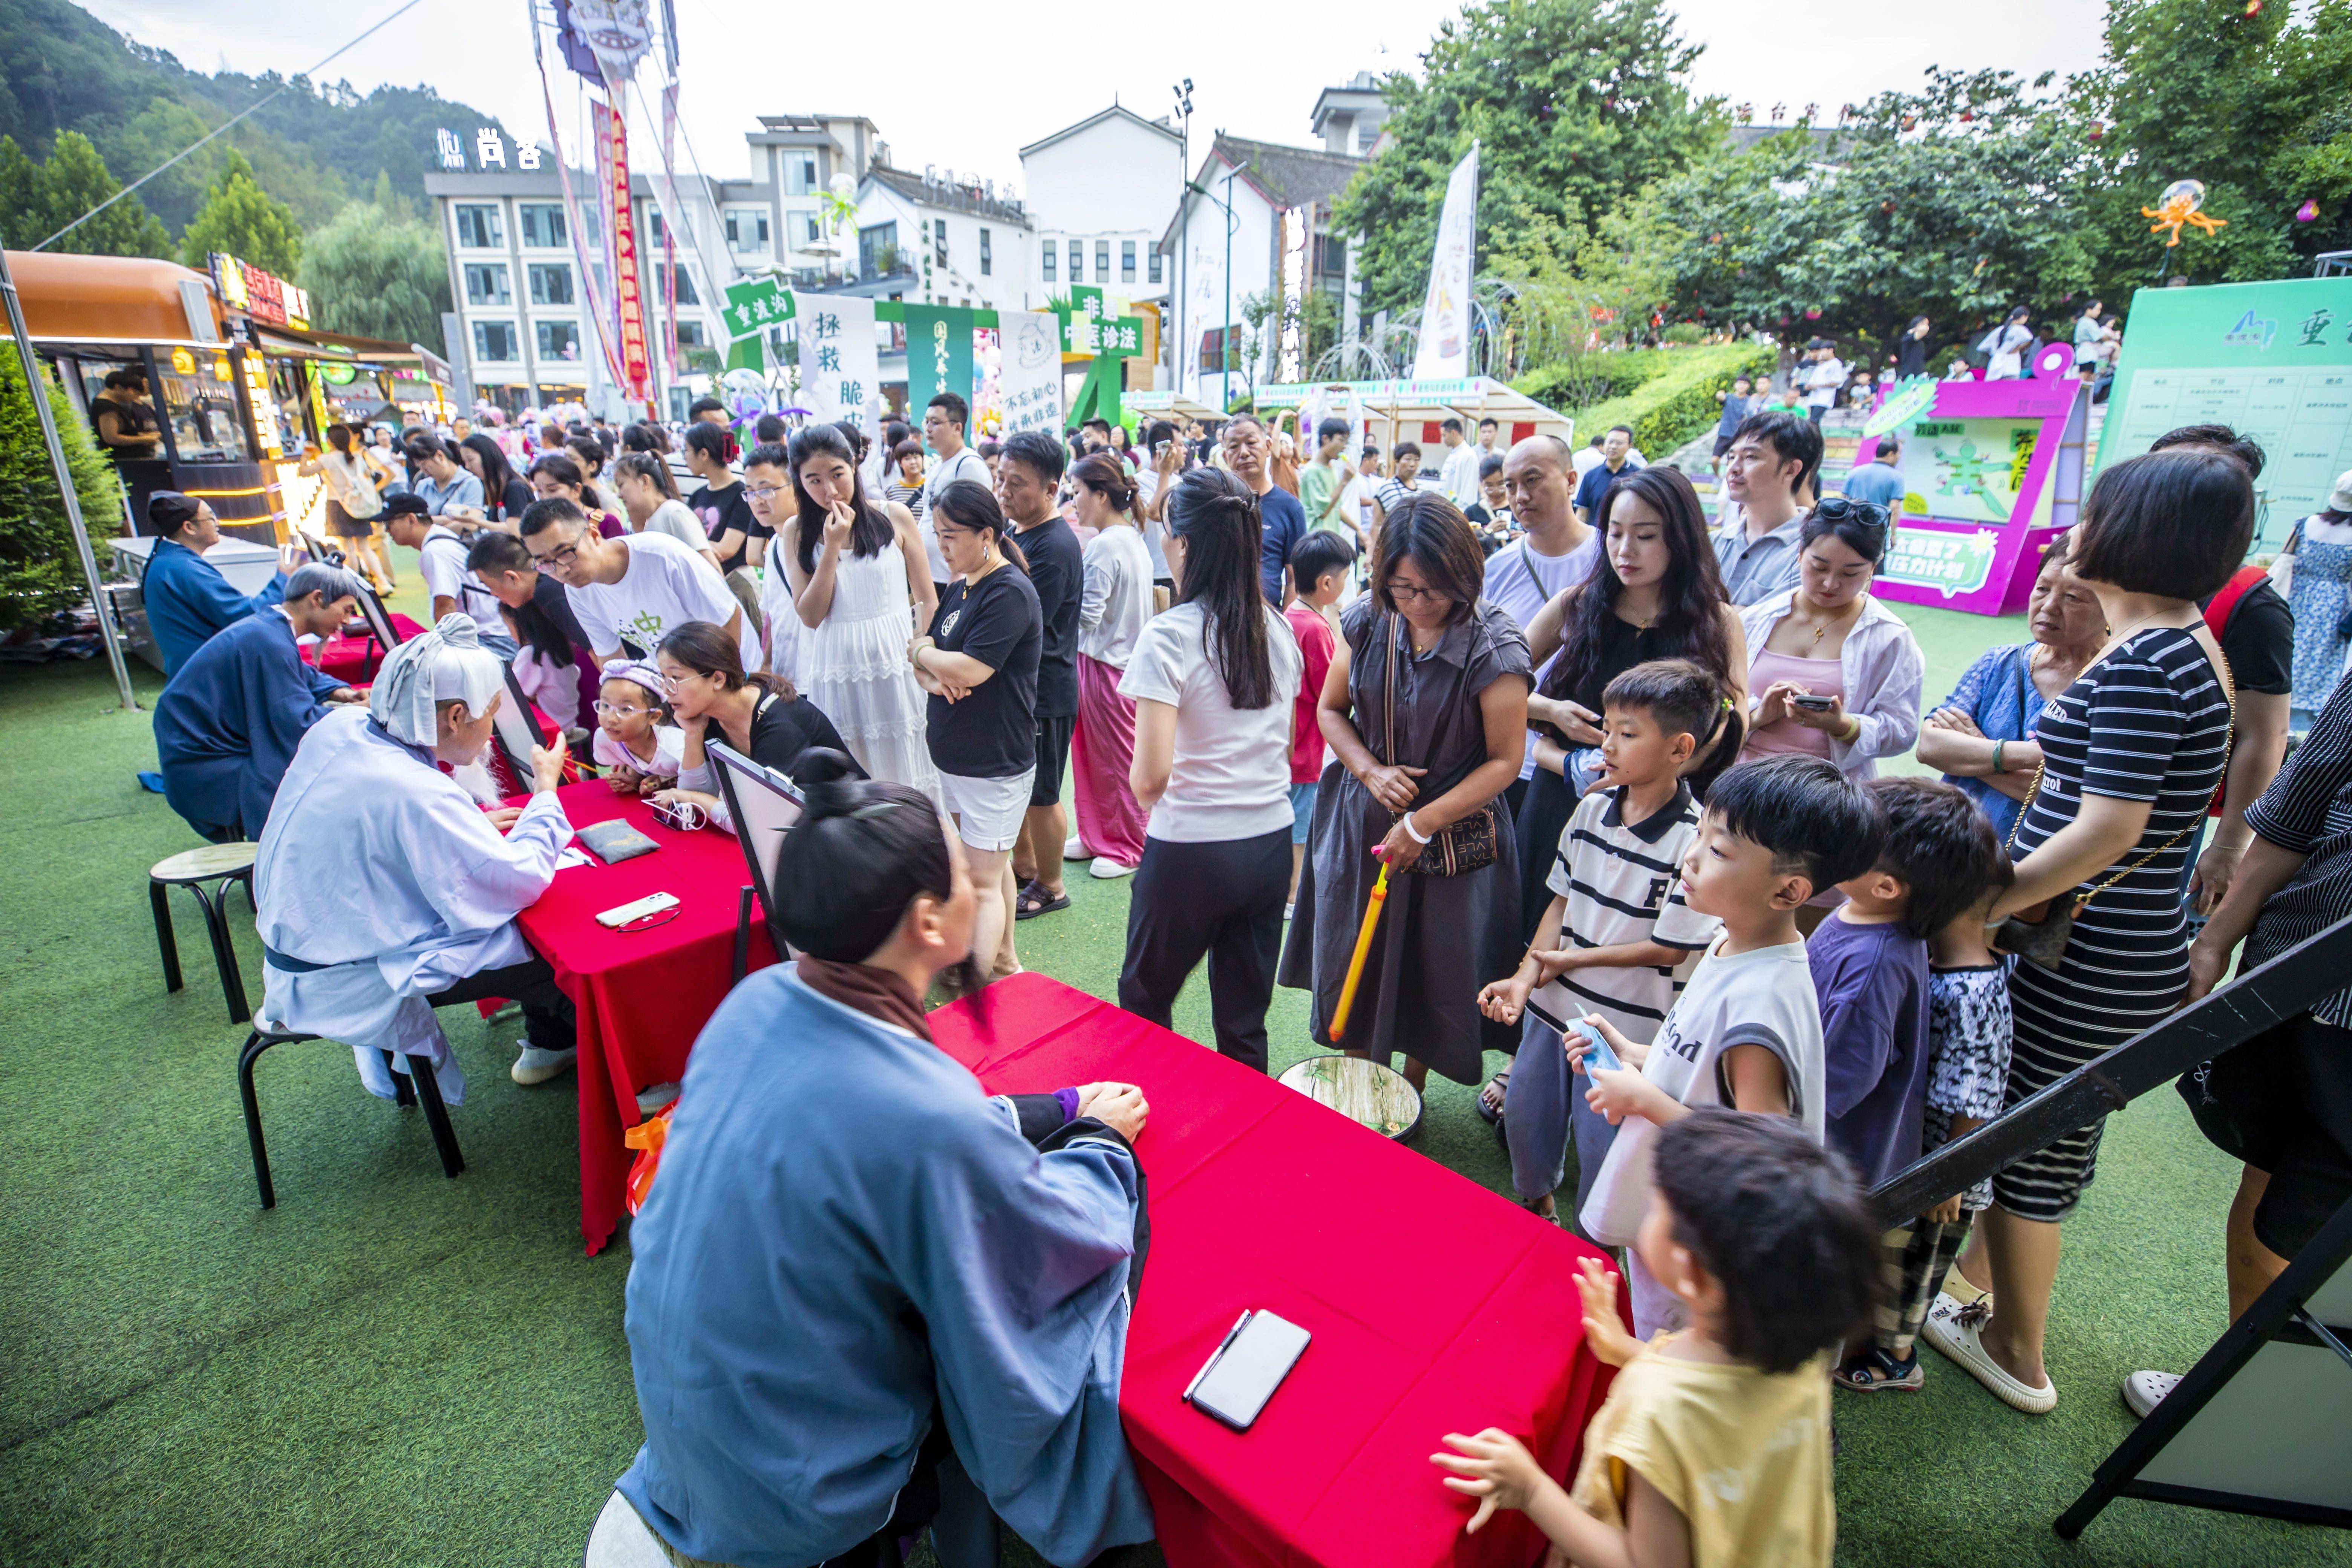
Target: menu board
2272, 361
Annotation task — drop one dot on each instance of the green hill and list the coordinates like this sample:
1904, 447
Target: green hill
315, 149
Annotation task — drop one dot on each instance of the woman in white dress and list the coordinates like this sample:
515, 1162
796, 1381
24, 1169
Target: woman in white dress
862, 584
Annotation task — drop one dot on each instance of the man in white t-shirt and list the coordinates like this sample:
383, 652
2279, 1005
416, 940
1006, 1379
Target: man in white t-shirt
943, 424
1822, 378
639, 587
1555, 552
1458, 480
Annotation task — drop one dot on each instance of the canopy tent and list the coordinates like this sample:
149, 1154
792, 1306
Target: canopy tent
1170, 404
1412, 410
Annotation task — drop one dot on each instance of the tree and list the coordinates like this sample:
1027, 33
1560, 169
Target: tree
37, 200
378, 273
241, 219
1576, 105
39, 574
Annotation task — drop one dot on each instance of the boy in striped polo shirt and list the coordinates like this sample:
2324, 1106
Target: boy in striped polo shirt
1625, 939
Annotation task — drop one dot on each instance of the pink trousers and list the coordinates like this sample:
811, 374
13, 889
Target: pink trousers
1110, 822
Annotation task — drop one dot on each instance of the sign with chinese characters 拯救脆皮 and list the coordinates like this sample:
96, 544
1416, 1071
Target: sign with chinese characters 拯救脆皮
840, 361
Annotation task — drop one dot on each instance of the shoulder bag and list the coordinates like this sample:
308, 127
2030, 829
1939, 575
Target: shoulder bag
1459, 847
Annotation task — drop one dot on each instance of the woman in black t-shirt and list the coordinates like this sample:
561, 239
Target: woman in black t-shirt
505, 496
760, 716
979, 663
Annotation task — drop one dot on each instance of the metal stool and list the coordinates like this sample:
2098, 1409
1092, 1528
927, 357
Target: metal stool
427, 1092
208, 873
1365, 1093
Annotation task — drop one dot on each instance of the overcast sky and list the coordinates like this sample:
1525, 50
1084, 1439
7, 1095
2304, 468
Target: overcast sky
966, 98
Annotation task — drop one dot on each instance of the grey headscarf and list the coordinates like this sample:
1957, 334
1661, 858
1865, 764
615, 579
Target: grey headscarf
445, 664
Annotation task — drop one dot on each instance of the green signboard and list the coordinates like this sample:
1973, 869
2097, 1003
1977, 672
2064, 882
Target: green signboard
2273, 361
938, 354
754, 305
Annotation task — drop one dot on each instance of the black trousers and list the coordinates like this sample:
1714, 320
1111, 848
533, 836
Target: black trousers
549, 1020
1223, 900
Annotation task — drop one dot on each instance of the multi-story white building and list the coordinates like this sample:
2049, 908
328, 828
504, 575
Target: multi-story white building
1099, 194
938, 238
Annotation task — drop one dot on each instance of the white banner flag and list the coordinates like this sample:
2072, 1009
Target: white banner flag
841, 373
1030, 378
1444, 351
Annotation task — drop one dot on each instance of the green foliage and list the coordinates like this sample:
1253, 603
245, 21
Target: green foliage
37, 200
241, 219
1575, 104
1681, 332
1586, 379
1667, 410
314, 148
38, 573
379, 274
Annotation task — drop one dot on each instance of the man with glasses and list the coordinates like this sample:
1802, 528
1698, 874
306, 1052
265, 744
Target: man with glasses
632, 591
1282, 521
943, 423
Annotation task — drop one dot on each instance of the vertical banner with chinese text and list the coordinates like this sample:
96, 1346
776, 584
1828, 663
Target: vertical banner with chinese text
1029, 379
938, 354
841, 369
629, 304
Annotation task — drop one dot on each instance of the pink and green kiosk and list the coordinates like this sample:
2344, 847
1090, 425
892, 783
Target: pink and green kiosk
1992, 471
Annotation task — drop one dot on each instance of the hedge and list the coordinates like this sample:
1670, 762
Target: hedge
38, 573
1613, 373
1670, 409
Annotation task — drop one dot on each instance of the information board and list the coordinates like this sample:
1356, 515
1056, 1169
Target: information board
2272, 361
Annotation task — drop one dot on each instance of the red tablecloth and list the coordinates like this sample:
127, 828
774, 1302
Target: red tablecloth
354, 660
643, 996
1435, 1305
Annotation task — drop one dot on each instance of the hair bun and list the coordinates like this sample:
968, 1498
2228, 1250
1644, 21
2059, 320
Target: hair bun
828, 783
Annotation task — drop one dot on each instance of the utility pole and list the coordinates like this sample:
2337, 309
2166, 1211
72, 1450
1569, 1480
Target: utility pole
37, 388
1183, 232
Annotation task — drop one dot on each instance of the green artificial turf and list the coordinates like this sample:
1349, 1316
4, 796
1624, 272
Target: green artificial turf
393, 1368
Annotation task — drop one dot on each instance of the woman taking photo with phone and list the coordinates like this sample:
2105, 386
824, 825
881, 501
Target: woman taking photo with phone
1214, 680
1426, 706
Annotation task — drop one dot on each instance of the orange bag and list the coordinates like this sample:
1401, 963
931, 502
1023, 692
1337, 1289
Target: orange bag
646, 1138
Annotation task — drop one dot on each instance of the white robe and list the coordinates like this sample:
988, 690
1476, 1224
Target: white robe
376, 863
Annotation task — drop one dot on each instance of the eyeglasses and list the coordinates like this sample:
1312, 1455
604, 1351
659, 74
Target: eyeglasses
1418, 596
558, 559
684, 815
762, 492
672, 682
1840, 508
619, 709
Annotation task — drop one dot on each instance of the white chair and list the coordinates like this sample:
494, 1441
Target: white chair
620, 1540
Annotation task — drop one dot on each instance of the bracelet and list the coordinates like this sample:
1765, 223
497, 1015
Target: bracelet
1852, 729
1997, 767
1415, 834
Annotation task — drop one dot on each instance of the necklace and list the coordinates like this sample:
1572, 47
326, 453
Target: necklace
1823, 630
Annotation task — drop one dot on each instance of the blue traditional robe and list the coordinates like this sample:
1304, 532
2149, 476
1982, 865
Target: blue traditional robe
229, 723
188, 600
846, 1234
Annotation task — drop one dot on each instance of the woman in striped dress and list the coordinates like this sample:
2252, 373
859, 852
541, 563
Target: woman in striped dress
2131, 754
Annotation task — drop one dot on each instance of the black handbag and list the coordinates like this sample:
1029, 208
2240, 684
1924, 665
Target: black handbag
1460, 847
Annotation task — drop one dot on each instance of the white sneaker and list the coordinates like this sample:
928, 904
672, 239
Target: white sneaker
535, 1066
2143, 1391
1958, 1336
650, 1101
1108, 868
1072, 850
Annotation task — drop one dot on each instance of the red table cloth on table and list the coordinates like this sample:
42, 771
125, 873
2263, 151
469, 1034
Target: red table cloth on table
1435, 1305
643, 996
354, 660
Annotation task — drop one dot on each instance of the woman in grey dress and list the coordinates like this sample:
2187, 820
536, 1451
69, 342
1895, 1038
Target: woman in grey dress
1432, 760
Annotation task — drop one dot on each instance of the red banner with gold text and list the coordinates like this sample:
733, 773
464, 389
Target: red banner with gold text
629, 304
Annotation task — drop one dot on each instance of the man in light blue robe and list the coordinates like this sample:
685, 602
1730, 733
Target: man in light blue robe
187, 600
227, 724
857, 1283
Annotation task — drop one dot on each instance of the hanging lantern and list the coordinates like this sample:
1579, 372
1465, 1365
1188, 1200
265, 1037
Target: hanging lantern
1886, 207
2098, 129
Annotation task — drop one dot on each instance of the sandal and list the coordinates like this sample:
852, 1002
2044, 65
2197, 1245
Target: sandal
1490, 1098
1035, 901
1873, 1370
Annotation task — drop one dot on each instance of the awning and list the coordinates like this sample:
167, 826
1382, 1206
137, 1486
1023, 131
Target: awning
293, 342
1409, 403
106, 305
1167, 403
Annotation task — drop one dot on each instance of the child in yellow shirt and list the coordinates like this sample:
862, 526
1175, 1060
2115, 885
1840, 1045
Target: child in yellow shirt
1713, 1446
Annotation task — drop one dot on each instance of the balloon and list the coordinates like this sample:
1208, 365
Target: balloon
2307, 212
2178, 206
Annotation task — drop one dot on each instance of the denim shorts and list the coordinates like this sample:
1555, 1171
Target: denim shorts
1302, 809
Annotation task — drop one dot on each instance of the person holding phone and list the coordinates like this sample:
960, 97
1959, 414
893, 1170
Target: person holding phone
1834, 673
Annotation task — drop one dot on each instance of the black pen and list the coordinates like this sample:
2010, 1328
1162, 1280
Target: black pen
1206, 1366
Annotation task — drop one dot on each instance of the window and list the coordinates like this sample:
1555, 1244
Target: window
686, 294
1078, 262
494, 341
486, 284
877, 251
550, 283
1127, 261
1155, 264
987, 263
558, 340
1330, 255
940, 240
811, 234
479, 228
690, 335
747, 230
541, 223
1216, 345
653, 226
1052, 257
1102, 261
1365, 137
800, 173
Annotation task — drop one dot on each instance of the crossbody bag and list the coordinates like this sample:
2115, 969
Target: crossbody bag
1459, 847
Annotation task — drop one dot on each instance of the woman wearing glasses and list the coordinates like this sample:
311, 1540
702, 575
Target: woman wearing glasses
1831, 671
758, 716
1426, 706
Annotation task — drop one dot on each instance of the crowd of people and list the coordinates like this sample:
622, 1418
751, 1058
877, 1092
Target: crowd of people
1623, 768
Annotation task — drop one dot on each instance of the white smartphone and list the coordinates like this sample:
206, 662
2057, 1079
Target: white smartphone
651, 904
1247, 1368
